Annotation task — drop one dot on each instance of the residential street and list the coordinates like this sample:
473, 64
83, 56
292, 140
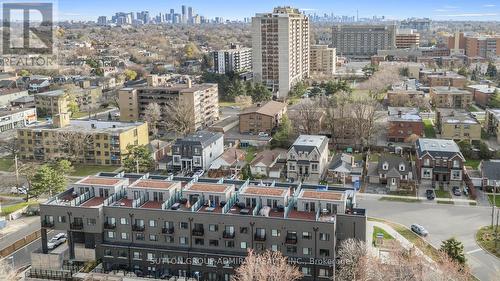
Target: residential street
443, 221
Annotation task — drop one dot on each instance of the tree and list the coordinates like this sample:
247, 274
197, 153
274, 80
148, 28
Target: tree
369, 70
269, 266
260, 93
484, 151
332, 87
466, 148
306, 120
179, 117
152, 115
28, 171
236, 89
298, 90
130, 74
463, 71
24, 73
138, 159
454, 249
282, 137
353, 255
491, 71
73, 145
63, 167
11, 146
47, 180
7, 272
494, 101
191, 51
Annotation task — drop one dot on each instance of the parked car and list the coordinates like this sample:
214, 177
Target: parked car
429, 193
418, 229
456, 191
57, 240
263, 134
199, 173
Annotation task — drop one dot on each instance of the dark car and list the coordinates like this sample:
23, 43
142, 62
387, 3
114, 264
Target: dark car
429, 193
456, 191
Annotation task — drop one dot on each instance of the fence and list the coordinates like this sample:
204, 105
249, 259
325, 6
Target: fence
20, 243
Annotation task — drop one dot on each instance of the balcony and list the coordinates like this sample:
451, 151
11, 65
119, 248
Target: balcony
167, 230
198, 232
228, 234
47, 223
136, 227
260, 237
76, 226
108, 225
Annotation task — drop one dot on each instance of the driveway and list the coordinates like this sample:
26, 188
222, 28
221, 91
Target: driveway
443, 221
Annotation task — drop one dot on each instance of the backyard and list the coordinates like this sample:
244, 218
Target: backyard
86, 170
429, 128
6, 164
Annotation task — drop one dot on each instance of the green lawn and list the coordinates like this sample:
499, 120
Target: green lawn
473, 108
250, 154
441, 193
87, 170
485, 237
358, 156
472, 162
407, 200
429, 129
12, 208
81, 114
377, 230
445, 202
374, 157
497, 199
6, 164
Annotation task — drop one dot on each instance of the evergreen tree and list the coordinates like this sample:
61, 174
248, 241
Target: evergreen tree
454, 249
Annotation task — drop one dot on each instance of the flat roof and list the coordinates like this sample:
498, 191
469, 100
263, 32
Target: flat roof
100, 181
321, 195
266, 191
150, 183
438, 145
208, 187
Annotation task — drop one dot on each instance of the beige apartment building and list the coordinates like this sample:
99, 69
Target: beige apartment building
492, 123
280, 49
450, 97
363, 41
323, 59
51, 103
407, 38
200, 100
457, 124
83, 141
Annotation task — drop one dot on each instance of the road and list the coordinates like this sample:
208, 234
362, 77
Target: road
443, 221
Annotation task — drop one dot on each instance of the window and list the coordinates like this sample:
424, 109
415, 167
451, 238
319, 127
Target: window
243, 245
306, 251
199, 241
123, 221
169, 239
456, 164
153, 237
314, 167
456, 175
324, 236
213, 227
275, 232
152, 223
90, 221
243, 229
213, 243
385, 166
323, 273
139, 236
150, 256
324, 252
306, 235
291, 249
61, 219
426, 173
274, 247
108, 253
137, 256
184, 225
427, 162
182, 240
306, 271
111, 234
124, 236
401, 167
229, 244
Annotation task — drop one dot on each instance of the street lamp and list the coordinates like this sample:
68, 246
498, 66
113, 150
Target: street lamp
495, 186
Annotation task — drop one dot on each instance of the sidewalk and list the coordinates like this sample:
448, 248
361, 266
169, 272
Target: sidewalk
18, 229
415, 197
404, 242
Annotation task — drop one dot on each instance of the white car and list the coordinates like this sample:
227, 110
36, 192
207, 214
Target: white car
57, 240
418, 229
263, 134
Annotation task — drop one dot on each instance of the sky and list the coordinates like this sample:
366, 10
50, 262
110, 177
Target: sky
484, 10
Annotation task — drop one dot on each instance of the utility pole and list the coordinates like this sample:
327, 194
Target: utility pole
494, 203
17, 170
496, 232
137, 165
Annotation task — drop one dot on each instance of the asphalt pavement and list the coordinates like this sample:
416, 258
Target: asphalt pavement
443, 221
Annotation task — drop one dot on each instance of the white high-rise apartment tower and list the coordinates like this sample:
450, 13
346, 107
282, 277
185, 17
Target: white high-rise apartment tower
280, 49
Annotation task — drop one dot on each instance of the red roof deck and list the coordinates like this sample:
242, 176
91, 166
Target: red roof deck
266, 191
152, 205
93, 202
124, 202
100, 181
301, 215
217, 209
160, 184
206, 187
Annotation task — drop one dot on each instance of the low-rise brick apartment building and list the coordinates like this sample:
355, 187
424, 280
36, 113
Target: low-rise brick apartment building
482, 93
447, 79
402, 123
450, 97
457, 124
492, 123
262, 117
200, 226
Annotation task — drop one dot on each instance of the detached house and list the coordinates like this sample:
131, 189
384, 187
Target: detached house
229, 163
343, 169
490, 173
391, 170
307, 158
269, 163
439, 160
197, 151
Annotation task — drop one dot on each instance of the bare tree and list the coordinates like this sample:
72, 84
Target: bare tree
269, 266
10, 145
381, 80
307, 118
7, 272
179, 117
152, 114
72, 145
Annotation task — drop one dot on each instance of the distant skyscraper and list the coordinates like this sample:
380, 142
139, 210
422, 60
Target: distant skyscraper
102, 20
190, 15
280, 49
183, 18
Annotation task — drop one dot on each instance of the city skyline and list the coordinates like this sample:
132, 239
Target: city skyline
445, 10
